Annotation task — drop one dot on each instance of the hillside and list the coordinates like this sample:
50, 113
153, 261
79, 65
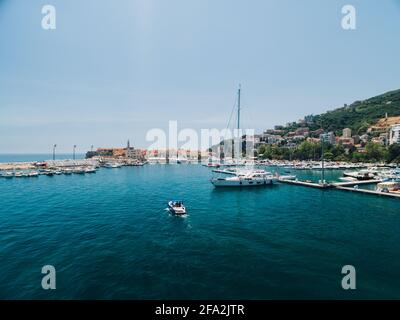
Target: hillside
361, 114
385, 123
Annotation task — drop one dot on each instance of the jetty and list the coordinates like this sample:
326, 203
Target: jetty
32, 165
351, 186
355, 183
306, 183
371, 192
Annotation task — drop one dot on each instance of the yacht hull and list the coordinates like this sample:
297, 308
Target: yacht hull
241, 183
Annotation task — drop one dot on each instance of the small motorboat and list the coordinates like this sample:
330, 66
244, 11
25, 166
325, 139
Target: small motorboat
79, 171
33, 174
8, 175
390, 186
287, 177
112, 165
19, 174
90, 170
67, 171
176, 207
348, 179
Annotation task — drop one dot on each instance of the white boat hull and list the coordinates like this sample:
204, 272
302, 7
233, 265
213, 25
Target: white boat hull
181, 210
241, 183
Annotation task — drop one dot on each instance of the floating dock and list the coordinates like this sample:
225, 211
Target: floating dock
355, 183
344, 186
49, 163
373, 192
306, 184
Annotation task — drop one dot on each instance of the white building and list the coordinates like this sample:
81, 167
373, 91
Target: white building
347, 133
394, 134
328, 137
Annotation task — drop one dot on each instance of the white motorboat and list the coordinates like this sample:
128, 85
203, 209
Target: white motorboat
287, 177
79, 171
46, 172
90, 170
68, 171
8, 175
112, 165
348, 179
390, 186
181, 160
212, 165
361, 175
33, 174
177, 207
157, 160
251, 178
20, 174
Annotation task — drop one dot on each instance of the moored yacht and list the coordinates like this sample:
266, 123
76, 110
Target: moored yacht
251, 178
20, 174
90, 170
8, 175
112, 165
67, 171
79, 171
389, 186
361, 175
33, 174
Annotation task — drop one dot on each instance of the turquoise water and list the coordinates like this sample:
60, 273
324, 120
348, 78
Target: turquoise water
109, 236
37, 157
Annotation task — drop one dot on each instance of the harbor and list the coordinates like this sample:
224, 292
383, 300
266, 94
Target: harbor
117, 218
355, 176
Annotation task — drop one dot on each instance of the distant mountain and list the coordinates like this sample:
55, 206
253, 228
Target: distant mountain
359, 115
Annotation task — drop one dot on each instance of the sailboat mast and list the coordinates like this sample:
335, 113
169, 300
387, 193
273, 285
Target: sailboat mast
238, 118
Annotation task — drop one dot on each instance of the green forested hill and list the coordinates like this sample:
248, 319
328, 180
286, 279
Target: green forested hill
361, 114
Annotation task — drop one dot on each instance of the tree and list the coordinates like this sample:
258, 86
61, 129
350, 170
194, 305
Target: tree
393, 154
261, 149
328, 155
307, 150
358, 157
375, 151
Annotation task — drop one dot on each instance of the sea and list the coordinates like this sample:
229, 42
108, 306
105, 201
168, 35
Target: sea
109, 236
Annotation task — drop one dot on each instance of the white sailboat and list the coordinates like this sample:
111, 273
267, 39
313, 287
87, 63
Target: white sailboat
248, 177
251, 178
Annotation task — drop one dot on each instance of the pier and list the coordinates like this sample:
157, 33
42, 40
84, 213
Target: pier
32, 165
373, 192
306, 184
344, 186
355, 183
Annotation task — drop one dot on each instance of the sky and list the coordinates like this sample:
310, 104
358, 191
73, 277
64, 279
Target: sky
114, 69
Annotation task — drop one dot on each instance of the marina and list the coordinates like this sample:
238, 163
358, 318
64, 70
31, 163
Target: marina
116, 219
248, 173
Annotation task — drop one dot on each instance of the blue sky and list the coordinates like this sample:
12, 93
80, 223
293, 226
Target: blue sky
114, 69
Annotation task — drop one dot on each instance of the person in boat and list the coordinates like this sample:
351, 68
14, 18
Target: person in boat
177, 204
